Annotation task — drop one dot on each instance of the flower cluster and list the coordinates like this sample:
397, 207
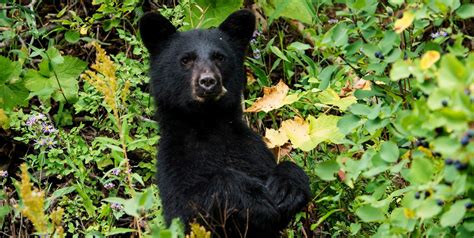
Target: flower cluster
44, 132
3, 173
109, 186
116, 206
437, 34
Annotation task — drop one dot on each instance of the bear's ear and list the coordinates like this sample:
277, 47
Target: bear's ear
240, 26
154, 30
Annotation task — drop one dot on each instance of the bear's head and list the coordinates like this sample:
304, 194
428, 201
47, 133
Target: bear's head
197, 69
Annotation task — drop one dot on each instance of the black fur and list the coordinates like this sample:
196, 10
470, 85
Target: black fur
212, 168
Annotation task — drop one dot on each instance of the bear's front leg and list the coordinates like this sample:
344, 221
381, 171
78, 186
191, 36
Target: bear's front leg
237, 203
289, 188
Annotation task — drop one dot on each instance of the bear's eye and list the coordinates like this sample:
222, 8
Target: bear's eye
218, 57
186, 60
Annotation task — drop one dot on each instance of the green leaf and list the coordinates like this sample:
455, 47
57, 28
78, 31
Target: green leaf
324, 128
368, 213
428, 209
278, 52
329, 96
209, 13
72, 36
360, 109
348, 123
389, 151
12, 95
421, 171
67, 73
452, 73
455, 214
340, 35
295, 9
10, 70
326, 170
116, 231
400, 70
465, 11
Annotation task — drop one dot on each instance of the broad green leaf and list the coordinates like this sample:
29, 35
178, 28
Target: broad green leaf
360, 109
347, 123
455, 214
452, 73
324, 128
368, 213
294, 9
400, 70
12, 95
389, 151
67, 74
421, 171
10, 70
72, 36
278, 52
428, 209
326, 170
465, 11
209, 13
340, 35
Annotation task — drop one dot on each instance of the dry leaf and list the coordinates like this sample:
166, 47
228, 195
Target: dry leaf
362, 84
273, 98
404, 22
297, 130
275, 138
428, 59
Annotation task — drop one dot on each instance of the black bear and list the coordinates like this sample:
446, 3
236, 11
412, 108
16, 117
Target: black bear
212, 168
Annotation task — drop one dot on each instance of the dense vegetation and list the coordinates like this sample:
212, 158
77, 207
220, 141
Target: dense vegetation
374, 99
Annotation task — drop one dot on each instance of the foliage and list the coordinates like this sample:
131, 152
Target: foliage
374, 99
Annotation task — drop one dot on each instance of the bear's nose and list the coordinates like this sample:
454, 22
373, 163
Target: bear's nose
207, 83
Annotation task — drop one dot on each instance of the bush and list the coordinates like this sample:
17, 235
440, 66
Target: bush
375, 99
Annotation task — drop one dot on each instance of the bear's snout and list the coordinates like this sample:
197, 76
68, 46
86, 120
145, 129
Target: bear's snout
207, 84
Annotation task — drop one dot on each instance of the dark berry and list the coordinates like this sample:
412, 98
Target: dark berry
425, 144
439, 202
448, 161
460, 165
427, 194
444, 103
417, 195
467, 91
469, 205
451, 42
470, 134
465, 140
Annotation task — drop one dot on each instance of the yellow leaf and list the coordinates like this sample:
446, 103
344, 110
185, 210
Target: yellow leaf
410, 214
297, 130
324, 128
275, 138
330, 97
83, 31
428, 59
273, 98
3, 118
198, 231
404, 22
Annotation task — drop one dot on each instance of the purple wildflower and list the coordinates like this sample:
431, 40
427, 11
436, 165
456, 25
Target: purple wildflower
3, 173
35, 119
109, 186
333, 21
437, 34
49, 129
256, 54
115, 171
46, 141
116, 206
256, 33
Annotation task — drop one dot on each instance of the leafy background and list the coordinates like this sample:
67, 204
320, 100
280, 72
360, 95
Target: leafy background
374, 99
